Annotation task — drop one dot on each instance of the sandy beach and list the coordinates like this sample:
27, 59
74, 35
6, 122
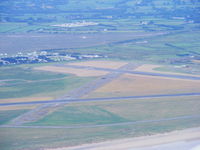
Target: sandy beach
188, 139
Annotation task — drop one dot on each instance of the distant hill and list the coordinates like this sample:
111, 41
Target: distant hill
49, 10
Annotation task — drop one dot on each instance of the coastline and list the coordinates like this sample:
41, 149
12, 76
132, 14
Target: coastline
187, 135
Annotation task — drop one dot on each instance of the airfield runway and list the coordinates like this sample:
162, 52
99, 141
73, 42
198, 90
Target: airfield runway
75, 97
97, 99
76, 94
44, 110
121, 70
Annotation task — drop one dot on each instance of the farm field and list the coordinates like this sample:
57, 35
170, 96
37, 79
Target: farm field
98, 113
101, 64
129, 85
68, 70
27, 83
121, 111
11, 100
196, 61
25, 107
170, 49
161, 69
84, 72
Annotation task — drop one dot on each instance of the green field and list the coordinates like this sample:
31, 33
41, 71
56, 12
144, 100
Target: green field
103, 113
31, 139
171, 49
19, 82
123, 111
112, 15
6, 116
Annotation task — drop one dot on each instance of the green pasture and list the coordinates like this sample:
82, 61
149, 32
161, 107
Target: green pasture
6, 116
158, 49
103, 113
122, 111
25, 82
26, 73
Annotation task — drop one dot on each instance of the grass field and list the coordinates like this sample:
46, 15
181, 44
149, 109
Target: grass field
136, 85
84, 72
7, 115
74, 71
17, 139
163, 49
17, 82
169, 69
103, 112
25, 107
27, 99
101, 64
122, 111
192, 69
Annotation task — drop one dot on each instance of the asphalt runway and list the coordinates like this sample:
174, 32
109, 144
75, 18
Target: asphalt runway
97, 99
43, 110
76, 94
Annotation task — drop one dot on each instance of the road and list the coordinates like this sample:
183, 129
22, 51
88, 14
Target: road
97, 99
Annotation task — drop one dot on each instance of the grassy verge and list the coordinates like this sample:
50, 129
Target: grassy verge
6, 116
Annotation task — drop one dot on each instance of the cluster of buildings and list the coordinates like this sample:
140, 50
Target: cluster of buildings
76, 24
44, 57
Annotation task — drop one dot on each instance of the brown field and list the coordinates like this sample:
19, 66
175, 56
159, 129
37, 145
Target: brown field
77, 72
128, 85
18, 107
101, 64
23, 99
196, 61
150, 68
